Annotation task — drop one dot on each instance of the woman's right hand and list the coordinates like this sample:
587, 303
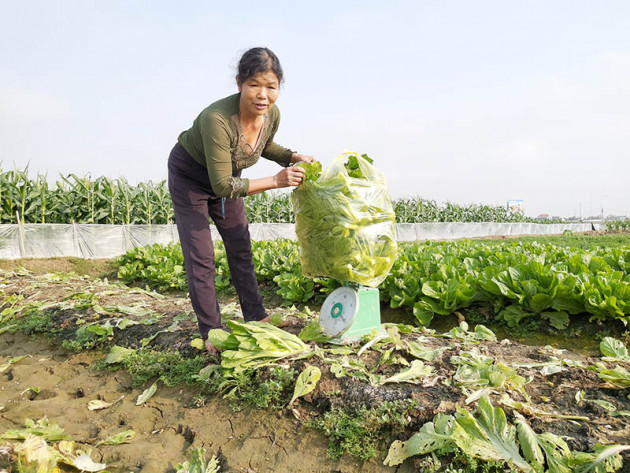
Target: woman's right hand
289, 177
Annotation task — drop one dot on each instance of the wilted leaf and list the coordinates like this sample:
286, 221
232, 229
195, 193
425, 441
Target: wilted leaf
79, 459
41, 428
413, 374
122, 437
117, 354
432, 436
97, 404
551, 369
146, 394
11, 361
197, 463
489, 437
607, 459
306, 382
424, 353
37, 455
608, 406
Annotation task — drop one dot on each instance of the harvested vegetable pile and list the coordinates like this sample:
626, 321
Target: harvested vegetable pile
254, 344
344, 221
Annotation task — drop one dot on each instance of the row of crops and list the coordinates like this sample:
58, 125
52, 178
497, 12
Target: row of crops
514, 280
114, 201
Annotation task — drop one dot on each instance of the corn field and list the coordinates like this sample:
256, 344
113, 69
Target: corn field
114, 201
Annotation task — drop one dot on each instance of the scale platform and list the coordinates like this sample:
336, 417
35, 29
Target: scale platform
348, 314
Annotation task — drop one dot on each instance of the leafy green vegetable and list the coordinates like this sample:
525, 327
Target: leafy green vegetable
345, 223
618, 377
197, 463
306, 382
313, 170
255, 344
614, 350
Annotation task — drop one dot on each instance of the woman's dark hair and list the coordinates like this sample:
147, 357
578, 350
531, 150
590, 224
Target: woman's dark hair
257, 60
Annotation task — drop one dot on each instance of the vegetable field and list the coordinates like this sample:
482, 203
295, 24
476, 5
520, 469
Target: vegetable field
98, 372
514, 282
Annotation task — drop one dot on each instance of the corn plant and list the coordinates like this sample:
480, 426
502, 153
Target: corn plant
115, 201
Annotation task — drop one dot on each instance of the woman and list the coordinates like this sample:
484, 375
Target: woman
204, 180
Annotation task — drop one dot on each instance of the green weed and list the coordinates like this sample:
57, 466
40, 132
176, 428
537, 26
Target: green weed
169, 367
361, 432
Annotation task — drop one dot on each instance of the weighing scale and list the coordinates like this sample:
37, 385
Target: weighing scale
347, 314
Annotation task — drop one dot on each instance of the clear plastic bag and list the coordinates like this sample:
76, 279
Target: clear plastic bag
345, 225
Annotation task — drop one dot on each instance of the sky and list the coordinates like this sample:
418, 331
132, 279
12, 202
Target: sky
456, 101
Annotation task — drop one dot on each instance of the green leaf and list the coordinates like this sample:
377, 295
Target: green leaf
432, 436
619, 376
198, 344
197, 463
608, 406
528, 440
613, 350
306, 382
558, 319
222, 339
483, 333
607, 459
313, 332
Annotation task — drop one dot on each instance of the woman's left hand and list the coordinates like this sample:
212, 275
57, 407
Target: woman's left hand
296, 158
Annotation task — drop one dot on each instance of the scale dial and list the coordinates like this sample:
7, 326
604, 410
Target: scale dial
339, 310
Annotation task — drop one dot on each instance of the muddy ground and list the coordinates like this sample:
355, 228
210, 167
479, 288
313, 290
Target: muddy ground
248, 440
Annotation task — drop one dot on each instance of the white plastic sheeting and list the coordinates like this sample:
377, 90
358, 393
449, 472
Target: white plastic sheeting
455, 230
108, 241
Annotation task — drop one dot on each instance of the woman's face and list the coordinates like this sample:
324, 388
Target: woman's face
259, 93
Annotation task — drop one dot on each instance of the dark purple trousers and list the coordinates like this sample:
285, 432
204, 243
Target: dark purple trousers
193, 202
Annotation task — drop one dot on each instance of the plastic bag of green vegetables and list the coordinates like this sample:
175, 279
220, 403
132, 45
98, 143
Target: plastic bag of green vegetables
344, 221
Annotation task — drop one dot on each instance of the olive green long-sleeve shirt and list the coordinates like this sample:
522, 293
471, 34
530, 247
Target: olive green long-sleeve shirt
216, 141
